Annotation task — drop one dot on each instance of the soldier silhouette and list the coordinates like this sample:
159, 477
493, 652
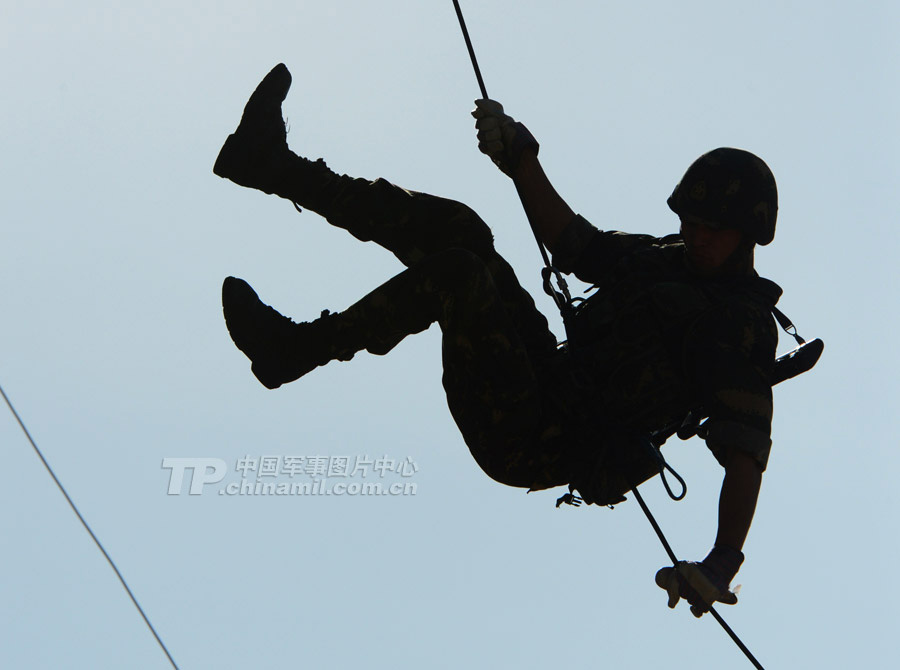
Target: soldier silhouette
675, 322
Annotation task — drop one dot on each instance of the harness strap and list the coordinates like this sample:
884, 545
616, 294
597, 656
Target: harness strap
787, 325
663, 466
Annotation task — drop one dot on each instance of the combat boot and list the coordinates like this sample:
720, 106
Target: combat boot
257, 156
280, 350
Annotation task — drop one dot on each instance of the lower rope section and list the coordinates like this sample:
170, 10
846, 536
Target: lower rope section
674, 559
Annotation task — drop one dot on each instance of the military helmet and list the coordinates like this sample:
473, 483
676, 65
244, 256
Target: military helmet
732, 187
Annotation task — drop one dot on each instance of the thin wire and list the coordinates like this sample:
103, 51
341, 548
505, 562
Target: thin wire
672, 556
87, 527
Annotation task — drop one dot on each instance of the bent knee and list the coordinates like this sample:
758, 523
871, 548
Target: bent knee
460, 271
473, 233
455, 224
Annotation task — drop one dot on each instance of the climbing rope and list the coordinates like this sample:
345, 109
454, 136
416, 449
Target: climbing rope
87, 527
561, 297
564, 302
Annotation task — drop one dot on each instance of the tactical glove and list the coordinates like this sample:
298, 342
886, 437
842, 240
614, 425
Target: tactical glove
501, 137
703, 583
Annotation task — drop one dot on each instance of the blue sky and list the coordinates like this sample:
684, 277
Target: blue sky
116, 237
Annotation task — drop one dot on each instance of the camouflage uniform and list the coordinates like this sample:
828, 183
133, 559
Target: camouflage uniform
652, 343
498, 351
655, 341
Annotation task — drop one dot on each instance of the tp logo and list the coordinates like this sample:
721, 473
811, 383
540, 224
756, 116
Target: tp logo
203, 471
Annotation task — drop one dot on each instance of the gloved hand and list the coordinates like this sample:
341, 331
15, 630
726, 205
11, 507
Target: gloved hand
703, 583
501, 137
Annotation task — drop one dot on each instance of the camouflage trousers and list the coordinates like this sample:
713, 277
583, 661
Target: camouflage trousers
499, 354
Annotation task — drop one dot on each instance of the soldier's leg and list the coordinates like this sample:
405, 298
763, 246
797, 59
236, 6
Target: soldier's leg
442, 288
411, 225
492, 386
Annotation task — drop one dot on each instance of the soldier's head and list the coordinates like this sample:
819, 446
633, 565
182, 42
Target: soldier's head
727, 202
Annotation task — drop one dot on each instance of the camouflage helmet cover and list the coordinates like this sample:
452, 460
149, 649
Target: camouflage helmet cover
732, 187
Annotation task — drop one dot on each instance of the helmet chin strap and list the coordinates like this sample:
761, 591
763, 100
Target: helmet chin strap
741, 259
740, 262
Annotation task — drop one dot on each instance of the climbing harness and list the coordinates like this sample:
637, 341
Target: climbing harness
789, 365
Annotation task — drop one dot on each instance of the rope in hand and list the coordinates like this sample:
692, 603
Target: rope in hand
87, 527
560, 297
637, 495
674, 559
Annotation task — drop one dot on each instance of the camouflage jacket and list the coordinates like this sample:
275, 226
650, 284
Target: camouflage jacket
655, 341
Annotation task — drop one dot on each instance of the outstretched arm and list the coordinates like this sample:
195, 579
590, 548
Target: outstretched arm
707, 582
737, 500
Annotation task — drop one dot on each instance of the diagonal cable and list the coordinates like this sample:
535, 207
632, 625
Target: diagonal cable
87, 527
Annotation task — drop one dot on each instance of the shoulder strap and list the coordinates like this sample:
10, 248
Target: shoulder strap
787, 325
